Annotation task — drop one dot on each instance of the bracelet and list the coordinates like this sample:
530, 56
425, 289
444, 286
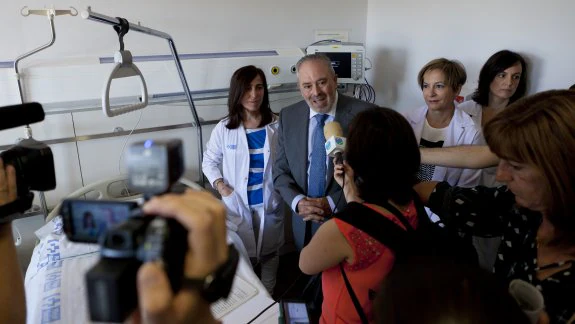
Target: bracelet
217, 183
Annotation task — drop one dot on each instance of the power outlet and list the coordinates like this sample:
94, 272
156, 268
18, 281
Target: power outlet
275, 70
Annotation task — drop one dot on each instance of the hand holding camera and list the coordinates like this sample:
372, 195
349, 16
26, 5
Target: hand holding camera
28, 165
32, 162
175, 244
204, 218
13, 310
171, 264
8, 191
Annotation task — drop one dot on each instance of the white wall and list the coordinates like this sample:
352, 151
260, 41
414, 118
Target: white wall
196, 26
69, 70
403, 35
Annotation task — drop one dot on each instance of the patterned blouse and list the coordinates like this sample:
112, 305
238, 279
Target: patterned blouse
492, 212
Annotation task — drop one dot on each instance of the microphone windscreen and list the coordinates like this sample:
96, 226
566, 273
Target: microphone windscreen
19, 115
332, 129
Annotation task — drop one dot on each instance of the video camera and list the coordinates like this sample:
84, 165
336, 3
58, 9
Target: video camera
33, 160
127, 237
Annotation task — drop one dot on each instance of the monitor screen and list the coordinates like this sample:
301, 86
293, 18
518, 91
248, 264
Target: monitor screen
295, 312
92, 219
341, 63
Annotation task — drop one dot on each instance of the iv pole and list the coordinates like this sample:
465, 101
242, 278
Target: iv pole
50, 13
90, 15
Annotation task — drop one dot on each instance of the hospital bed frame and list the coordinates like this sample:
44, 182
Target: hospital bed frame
102, 190
94, 16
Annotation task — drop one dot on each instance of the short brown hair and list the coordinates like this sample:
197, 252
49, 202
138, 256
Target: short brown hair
454, 71
540, 131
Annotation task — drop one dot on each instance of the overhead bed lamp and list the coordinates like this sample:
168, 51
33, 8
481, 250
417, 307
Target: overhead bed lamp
124, 68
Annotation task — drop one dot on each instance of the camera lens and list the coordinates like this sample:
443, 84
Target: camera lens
118, 240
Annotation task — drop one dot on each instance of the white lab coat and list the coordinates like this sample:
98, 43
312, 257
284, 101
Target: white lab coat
475, 111
461, 131
227, 150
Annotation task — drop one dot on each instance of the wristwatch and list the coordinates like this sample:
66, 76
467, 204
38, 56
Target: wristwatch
217, 284
20, 205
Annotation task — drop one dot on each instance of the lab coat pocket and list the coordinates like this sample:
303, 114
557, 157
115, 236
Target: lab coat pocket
234, 218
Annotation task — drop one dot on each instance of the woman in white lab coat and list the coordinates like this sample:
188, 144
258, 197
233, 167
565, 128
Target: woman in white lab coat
238, 164
502, 80
439, 124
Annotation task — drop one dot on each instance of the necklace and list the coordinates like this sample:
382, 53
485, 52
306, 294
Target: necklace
550, 256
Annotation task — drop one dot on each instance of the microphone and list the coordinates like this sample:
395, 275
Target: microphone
335, 142
20, 115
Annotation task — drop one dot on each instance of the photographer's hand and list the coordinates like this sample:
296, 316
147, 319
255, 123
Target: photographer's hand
204, 217
13, 306
8, 192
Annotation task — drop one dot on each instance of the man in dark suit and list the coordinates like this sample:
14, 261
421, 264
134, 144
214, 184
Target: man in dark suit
302, 175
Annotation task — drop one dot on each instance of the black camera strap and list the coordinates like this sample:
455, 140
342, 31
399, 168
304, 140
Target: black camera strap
19, 205
353, 296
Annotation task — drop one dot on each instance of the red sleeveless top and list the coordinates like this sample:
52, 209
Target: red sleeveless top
372, 262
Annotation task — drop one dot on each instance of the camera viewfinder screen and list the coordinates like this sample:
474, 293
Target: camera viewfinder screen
91, 219
296, 313
341, 63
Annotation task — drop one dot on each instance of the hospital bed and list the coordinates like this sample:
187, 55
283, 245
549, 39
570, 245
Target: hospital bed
54, 281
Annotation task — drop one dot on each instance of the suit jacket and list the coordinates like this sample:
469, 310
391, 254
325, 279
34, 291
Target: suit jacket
291, 162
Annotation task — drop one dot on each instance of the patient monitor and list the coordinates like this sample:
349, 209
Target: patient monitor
346, 58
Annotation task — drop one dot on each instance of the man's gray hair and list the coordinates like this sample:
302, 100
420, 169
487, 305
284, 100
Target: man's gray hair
318, 57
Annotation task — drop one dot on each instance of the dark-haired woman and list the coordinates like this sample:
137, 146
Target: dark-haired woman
502, 80
387, 176
241, 146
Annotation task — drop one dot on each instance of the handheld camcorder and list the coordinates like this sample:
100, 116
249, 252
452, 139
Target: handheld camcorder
33, 160
127, 238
